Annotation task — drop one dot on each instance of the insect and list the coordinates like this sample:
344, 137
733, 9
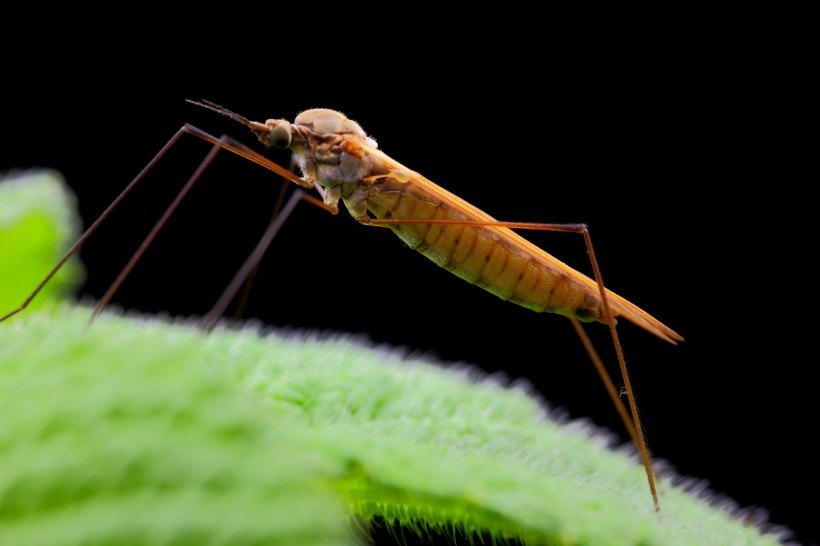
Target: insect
342, 164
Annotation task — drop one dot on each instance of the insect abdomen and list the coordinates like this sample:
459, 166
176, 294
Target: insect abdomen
480, 255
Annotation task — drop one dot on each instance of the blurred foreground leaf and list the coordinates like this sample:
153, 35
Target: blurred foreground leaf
141, 430
38, 222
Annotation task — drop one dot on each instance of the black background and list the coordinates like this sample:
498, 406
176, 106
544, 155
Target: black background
674, 152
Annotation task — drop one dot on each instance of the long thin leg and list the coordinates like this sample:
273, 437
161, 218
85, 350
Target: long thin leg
106, 299
277, 220
76, 246
211, 318
247, 286
606, 379
225, 142
243, 151
635, 429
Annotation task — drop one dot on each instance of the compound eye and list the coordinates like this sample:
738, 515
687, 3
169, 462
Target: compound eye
279, 137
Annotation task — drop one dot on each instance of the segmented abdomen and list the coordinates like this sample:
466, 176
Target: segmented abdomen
481, 255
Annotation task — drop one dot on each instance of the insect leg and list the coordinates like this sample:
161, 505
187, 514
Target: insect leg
634, 427
210, 319
231, 145
76, 246
219, 143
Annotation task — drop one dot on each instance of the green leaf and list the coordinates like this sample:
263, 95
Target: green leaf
141, 430
38, 222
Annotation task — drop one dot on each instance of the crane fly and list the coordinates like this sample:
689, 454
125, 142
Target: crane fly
342, 163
